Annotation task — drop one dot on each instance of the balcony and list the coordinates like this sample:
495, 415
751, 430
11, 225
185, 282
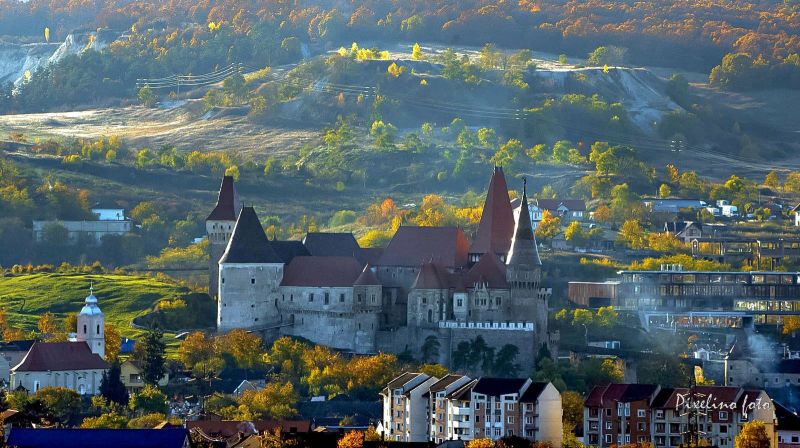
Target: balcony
460, 424
461, 411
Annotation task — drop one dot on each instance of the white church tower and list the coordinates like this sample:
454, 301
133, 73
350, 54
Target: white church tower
91, 325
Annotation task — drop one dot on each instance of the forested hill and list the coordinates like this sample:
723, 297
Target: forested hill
693, 34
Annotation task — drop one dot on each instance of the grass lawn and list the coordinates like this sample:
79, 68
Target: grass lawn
121, 297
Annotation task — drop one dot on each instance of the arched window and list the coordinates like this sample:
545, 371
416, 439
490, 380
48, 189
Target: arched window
430, 316
84, 328
98, 328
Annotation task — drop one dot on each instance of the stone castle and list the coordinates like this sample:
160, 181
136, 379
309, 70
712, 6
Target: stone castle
428, 281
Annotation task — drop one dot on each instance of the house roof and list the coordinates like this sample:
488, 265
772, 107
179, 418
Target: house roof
432, 276
680, 226
573, 205
523, 246
532, 392
497, 220
249, 243
463, 393
620, 392
595, 397
321, 271
227, 202
367, 277
59, 356
498, 386
88, 438
412, 246
636, 392
787, 420
228, 428
444, 382
287, 250
489, 270
371, 255
401, 380
331, 244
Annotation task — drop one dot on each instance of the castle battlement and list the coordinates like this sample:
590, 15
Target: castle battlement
514, 326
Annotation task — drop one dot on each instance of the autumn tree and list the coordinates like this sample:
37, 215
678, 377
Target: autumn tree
602, 213
575, 234
60, 402
113, 342
148, 400
49, 328
664, 191
351, 439
275, 401
480, 443
548, 227
572, 404
772, 181
196, 347
243, 346
631, 234
416, 53
753, 435
665, 242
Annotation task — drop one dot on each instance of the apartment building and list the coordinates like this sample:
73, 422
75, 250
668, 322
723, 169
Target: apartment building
405, 407
461, 408
637, 413
441, 411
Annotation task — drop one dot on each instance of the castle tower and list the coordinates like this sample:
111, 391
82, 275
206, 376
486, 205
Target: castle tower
497, 221
219, 227
524, 272
250, 274
91, 325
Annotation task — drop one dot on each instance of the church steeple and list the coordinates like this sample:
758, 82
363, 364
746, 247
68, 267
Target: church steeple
523, 246
91, 325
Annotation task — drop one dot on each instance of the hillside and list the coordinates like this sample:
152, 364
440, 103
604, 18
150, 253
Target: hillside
121, 297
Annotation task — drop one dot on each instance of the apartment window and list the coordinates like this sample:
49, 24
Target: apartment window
609, 425
640, 426
640, 413
723, 415
529, 407
608, 412
497, 405
510, 420
509, 406
661, 427
477, 405
529, 421
608, 438
723, 429
477, 419
497, 432
659, 413
497, 419
627, 438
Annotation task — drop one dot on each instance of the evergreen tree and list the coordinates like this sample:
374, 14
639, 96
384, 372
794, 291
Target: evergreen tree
153, 368
111, 386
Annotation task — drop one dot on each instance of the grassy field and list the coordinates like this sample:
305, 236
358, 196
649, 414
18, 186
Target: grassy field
121, 297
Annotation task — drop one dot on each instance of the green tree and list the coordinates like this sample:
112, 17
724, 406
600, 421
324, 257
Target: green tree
110, 420
504, 361
149, 400
147, 97
111, 386
61, 403
430, 349
153, 368
561, 151
607, 55
55, 234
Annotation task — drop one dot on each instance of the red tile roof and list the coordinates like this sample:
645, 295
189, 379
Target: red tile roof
489, 270
321, 271
432, 276
412, 246
227, 203
497, 220
59, 356
367, 277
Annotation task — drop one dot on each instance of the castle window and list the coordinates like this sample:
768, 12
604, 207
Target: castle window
497, 301
311, 297
460, 302
291, 297
84, 329
359, 298
223, 280
98, 328
256, 319
430, 316
373, 298
327, 298
341, 298
424, 300
252, 281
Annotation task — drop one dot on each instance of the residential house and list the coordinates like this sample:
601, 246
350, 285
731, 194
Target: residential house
249, 385
566, 209
673, 205
684, 230
788, 427
100, 438
796, 213
405, 407
131, 374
